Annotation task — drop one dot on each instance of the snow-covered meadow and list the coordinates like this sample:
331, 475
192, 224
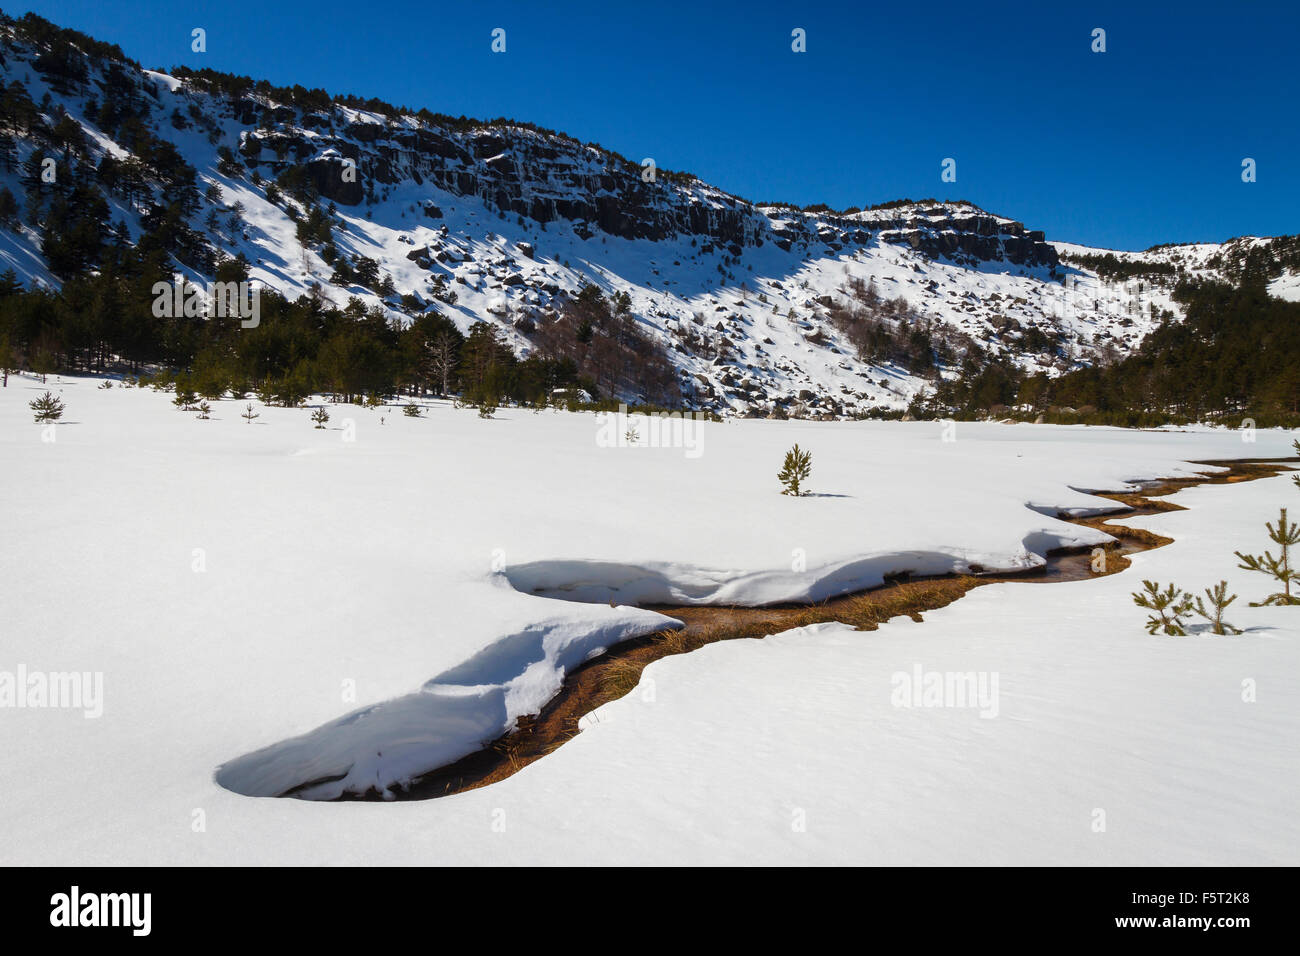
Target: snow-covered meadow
371, 586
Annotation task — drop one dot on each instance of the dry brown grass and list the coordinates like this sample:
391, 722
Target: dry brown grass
619, 677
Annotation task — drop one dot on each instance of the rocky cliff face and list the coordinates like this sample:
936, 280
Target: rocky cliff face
523, 173
969, 233
513, 170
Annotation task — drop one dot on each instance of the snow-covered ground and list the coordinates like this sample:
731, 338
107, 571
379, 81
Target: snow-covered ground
1286, 286
238, 585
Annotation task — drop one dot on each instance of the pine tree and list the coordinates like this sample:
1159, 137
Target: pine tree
48, 408
185, 397
320, 417
9, 284
205, 411
43, 363
249, 414
1219, 600
8, 208
411, 410
797, 468
1285, 534
1170, 605
1296, 478
8, 363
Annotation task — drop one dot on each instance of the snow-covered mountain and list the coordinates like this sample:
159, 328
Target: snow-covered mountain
759, 307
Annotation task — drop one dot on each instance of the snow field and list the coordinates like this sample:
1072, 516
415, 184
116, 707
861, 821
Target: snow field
240, 585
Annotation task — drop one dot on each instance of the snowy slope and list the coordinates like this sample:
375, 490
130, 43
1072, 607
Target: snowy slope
510, 219
1220, 261
1286, 286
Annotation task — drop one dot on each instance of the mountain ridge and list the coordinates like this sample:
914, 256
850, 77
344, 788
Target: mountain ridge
760, 309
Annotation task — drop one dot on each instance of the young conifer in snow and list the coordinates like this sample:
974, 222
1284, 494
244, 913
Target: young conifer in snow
797, 468
320, 417
1219, 599
8, 360
1170, 606
205, 411
1286, 535
48, 408
411, 410
249, 414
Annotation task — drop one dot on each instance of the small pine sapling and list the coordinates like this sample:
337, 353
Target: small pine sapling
249, 414
1296, 478
797, 468
185, 398
1170, 606
1219, 599
48, 408
1285, 535
320, 417
411, 410
488, 408
205, 410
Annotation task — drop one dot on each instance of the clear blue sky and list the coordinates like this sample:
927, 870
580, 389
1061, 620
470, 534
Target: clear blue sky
1139, 145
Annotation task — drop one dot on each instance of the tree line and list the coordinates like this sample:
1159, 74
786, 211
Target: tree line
1235, 355
106, 322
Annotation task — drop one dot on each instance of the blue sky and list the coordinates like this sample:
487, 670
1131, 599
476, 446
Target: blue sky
1138, 145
